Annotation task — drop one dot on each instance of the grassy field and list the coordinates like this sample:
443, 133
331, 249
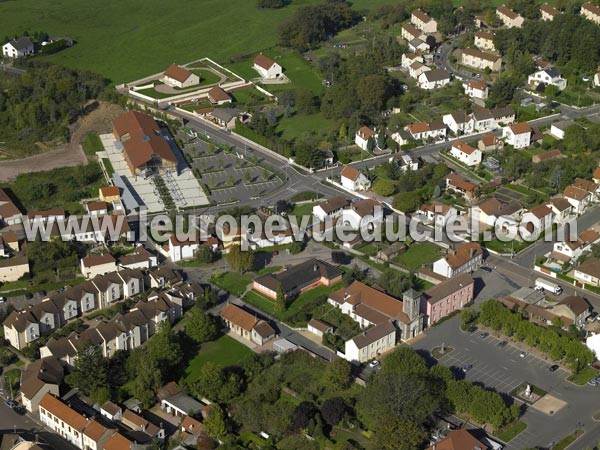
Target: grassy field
233, 282
510, 431
92, 144
419, 254
225, 351
584, 375
125, 40
299, 125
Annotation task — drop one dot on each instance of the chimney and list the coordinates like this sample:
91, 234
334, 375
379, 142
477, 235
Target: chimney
471, 252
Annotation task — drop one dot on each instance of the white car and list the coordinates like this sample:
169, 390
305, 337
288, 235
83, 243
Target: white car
522, 354
374, 364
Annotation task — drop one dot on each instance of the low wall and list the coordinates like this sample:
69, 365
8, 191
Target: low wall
545, 271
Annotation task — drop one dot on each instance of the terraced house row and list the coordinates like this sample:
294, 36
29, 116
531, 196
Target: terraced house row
21, 328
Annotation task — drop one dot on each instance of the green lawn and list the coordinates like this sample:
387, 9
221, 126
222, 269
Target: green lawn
299, 125
233, 282
303, 209
225, 351
249, 96
419, 254
351, 154
108, 166
506, 247
92, 144
207, 77
512, 430
584, 375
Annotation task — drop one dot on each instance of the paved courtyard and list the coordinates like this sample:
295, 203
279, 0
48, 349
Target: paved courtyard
231, 176
184, 188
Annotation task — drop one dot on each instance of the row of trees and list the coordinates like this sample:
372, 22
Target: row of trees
550, 340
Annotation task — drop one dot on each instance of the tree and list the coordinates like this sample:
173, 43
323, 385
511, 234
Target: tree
204, 255
164, 349
240, 260
370, 144
384, 187
395, 282
373, 91
147, 380
217, 384
381, 139
280, 303
90, 374
333, 410
339, 374
214, 423
201, 327
574, 140
407, 202
343, 134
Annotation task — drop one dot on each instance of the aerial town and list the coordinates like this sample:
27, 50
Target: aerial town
290, 225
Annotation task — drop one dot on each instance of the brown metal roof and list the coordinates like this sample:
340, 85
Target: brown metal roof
177, 73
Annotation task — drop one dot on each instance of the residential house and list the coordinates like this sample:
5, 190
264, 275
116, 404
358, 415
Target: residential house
13, 269
490, 143
319, 328
139, 259
479, 59
266, 67
46, 216
558, 129
484, 120
179, 250
548, 12
489, 211
21, 328
484, 40
459, 122
179, 77
111, 411
536, 221
381, 315
570, 249
417, 45
218, 96
62, 419
406, 161
466, 258
446, 297
462, 186
591, 12
596, 175
402, 137
518, 135
362, 137
109, 194
546, 156
40, 377
410, 32
547, 77
98, 208
422, 130
119, 442
9, 213
509, 18
409, 58
281, 236
224, 117
460, 439
137, 424
578, 198
300, 278
176, 402
246, 325
465, 153
589, 186
96, 435
145, 150
477, 89
354, 180
423, 21
93, 265
561, 209
11, 242
588, 272
416, 69
388, 253
362, 214
437, 213
433, 79
330, 208
572, 310
18, 48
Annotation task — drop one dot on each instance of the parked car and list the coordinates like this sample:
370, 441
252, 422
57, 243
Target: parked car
484, 335
486, 269
553, 368
523, 354
10, 403
502, 344
592, 383
2, 299
29, 296
467, 367
374, 363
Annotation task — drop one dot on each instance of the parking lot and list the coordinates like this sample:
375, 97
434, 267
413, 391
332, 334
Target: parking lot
231, 176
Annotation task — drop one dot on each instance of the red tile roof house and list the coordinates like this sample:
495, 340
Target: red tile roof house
179, 77
145, 150
537, 220
93, 265
461, 185
354, 180
450, 295
266, 67
97, 208
363, 134
246, 325
217, 96
464, 259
